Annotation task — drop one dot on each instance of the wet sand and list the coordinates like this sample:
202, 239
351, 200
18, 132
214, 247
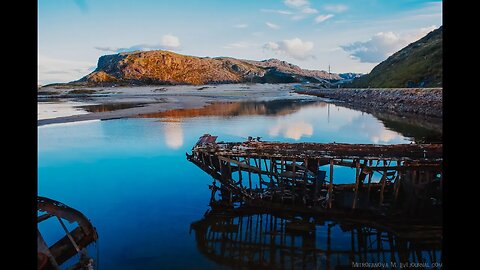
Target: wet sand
153, 99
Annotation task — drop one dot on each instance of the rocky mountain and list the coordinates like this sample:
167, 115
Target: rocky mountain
417, 65
164, 67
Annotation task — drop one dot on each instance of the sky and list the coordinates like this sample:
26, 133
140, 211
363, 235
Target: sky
347, 35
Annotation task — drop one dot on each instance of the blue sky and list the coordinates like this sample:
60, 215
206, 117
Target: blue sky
349, 35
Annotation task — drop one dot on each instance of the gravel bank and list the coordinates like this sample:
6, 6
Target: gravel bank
401, 101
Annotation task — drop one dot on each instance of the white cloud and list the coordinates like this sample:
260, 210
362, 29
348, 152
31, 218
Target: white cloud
323, 17
168, 42
51, 70
239, 45
309, 10
336, 8
271, 46
296, 3
241, 25
278, 11
414, 35
383, 44
301, 8
298, 17
295, 48
272, 25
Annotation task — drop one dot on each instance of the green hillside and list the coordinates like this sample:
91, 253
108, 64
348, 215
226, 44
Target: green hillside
417, 65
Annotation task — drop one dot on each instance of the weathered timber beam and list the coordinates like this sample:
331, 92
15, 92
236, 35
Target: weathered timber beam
432, 152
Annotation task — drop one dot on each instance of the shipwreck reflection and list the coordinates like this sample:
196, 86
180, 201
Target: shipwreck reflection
253, 239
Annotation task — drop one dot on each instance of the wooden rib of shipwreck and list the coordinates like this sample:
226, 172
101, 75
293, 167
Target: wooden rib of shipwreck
397, 178
74, 242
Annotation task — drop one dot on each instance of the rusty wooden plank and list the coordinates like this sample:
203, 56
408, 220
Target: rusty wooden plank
314, 150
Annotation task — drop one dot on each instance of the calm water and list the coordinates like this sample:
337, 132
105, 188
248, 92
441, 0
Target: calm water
130, 177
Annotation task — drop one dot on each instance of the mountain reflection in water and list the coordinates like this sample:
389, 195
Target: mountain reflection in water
273, 107
421, 130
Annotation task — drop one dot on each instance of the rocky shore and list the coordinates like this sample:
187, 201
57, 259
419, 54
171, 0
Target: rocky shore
426, 102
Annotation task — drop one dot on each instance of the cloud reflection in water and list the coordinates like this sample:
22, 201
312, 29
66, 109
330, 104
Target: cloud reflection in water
173, 134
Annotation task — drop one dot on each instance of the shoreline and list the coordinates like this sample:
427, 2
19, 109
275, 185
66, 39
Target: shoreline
404, 102
154, 99
137, 101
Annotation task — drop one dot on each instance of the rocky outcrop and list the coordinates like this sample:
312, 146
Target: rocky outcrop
164, 67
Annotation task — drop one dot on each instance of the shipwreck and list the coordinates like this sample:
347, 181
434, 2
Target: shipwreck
63, 253
385, 180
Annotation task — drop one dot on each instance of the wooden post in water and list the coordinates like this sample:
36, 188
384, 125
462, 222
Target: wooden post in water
330, 186
397, 186
382, 189
249, 175
259, 166
282, 165
203, 158
294, 180
240, 180
357, 182
369, 164
211, 162
272, 185
305, 179
316, 184
221, 169
230, 180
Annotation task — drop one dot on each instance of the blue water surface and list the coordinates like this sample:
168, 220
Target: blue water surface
131, 178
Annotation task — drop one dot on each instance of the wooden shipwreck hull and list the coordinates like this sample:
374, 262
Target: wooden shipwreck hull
408, 176
74, 242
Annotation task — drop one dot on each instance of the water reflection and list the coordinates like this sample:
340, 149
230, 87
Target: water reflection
245, 238
141, 165
294, 130
173, 133
273, 107
107, 107
384, 136
298, 119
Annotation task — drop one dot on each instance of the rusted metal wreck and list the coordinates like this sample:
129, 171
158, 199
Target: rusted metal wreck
385, 179
74, 242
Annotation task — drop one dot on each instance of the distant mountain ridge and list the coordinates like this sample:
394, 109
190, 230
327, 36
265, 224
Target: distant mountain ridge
165, 67
350, 75
417, 65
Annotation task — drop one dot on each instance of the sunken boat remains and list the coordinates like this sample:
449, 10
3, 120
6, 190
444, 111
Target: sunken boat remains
70, 251
393, 181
